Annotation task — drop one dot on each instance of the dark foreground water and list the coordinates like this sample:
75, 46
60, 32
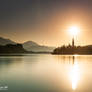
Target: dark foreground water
45, 73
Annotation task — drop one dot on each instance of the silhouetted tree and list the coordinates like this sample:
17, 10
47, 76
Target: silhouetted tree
73, 50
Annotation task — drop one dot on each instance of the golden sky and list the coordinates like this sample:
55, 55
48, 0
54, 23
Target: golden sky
46, 22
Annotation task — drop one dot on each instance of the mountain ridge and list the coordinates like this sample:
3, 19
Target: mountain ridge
28, 45
5, 41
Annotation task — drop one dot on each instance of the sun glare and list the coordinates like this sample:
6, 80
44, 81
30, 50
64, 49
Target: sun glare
74, 30
75, 76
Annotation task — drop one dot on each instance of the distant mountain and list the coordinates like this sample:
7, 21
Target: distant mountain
32, 46
29, 45
4, 41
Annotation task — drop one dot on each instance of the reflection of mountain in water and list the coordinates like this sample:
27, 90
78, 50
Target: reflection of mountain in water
7, 61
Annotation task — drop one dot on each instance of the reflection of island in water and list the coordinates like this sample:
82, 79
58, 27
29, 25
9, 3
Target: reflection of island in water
72, 49
74, 68
67, 59
75, 73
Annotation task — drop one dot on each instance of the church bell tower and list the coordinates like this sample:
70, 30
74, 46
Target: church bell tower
73, 42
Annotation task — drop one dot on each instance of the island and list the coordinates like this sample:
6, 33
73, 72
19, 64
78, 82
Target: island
72, 49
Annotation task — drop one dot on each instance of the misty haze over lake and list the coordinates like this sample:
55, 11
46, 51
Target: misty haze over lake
46, 73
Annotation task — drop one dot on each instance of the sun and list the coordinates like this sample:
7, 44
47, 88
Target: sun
74, 30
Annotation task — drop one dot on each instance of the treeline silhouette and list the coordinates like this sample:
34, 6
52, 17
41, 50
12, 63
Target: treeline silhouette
73, 50
9, 48
16, 48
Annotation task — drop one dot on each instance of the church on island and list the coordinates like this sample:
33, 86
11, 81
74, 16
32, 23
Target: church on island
73, 49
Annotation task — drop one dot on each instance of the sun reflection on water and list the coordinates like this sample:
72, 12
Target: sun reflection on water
75, 75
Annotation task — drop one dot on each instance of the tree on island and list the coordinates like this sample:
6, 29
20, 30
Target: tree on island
73, 50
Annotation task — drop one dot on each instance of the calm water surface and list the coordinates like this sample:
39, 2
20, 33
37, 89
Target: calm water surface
46, 73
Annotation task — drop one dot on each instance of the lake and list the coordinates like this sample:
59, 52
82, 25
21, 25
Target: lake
45, 73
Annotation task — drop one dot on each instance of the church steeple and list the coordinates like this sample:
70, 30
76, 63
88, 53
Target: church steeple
73, 42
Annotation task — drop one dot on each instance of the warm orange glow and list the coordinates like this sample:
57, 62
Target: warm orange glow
75, 76
74, 30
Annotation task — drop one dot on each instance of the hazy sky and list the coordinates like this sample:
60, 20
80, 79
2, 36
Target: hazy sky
46, 21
